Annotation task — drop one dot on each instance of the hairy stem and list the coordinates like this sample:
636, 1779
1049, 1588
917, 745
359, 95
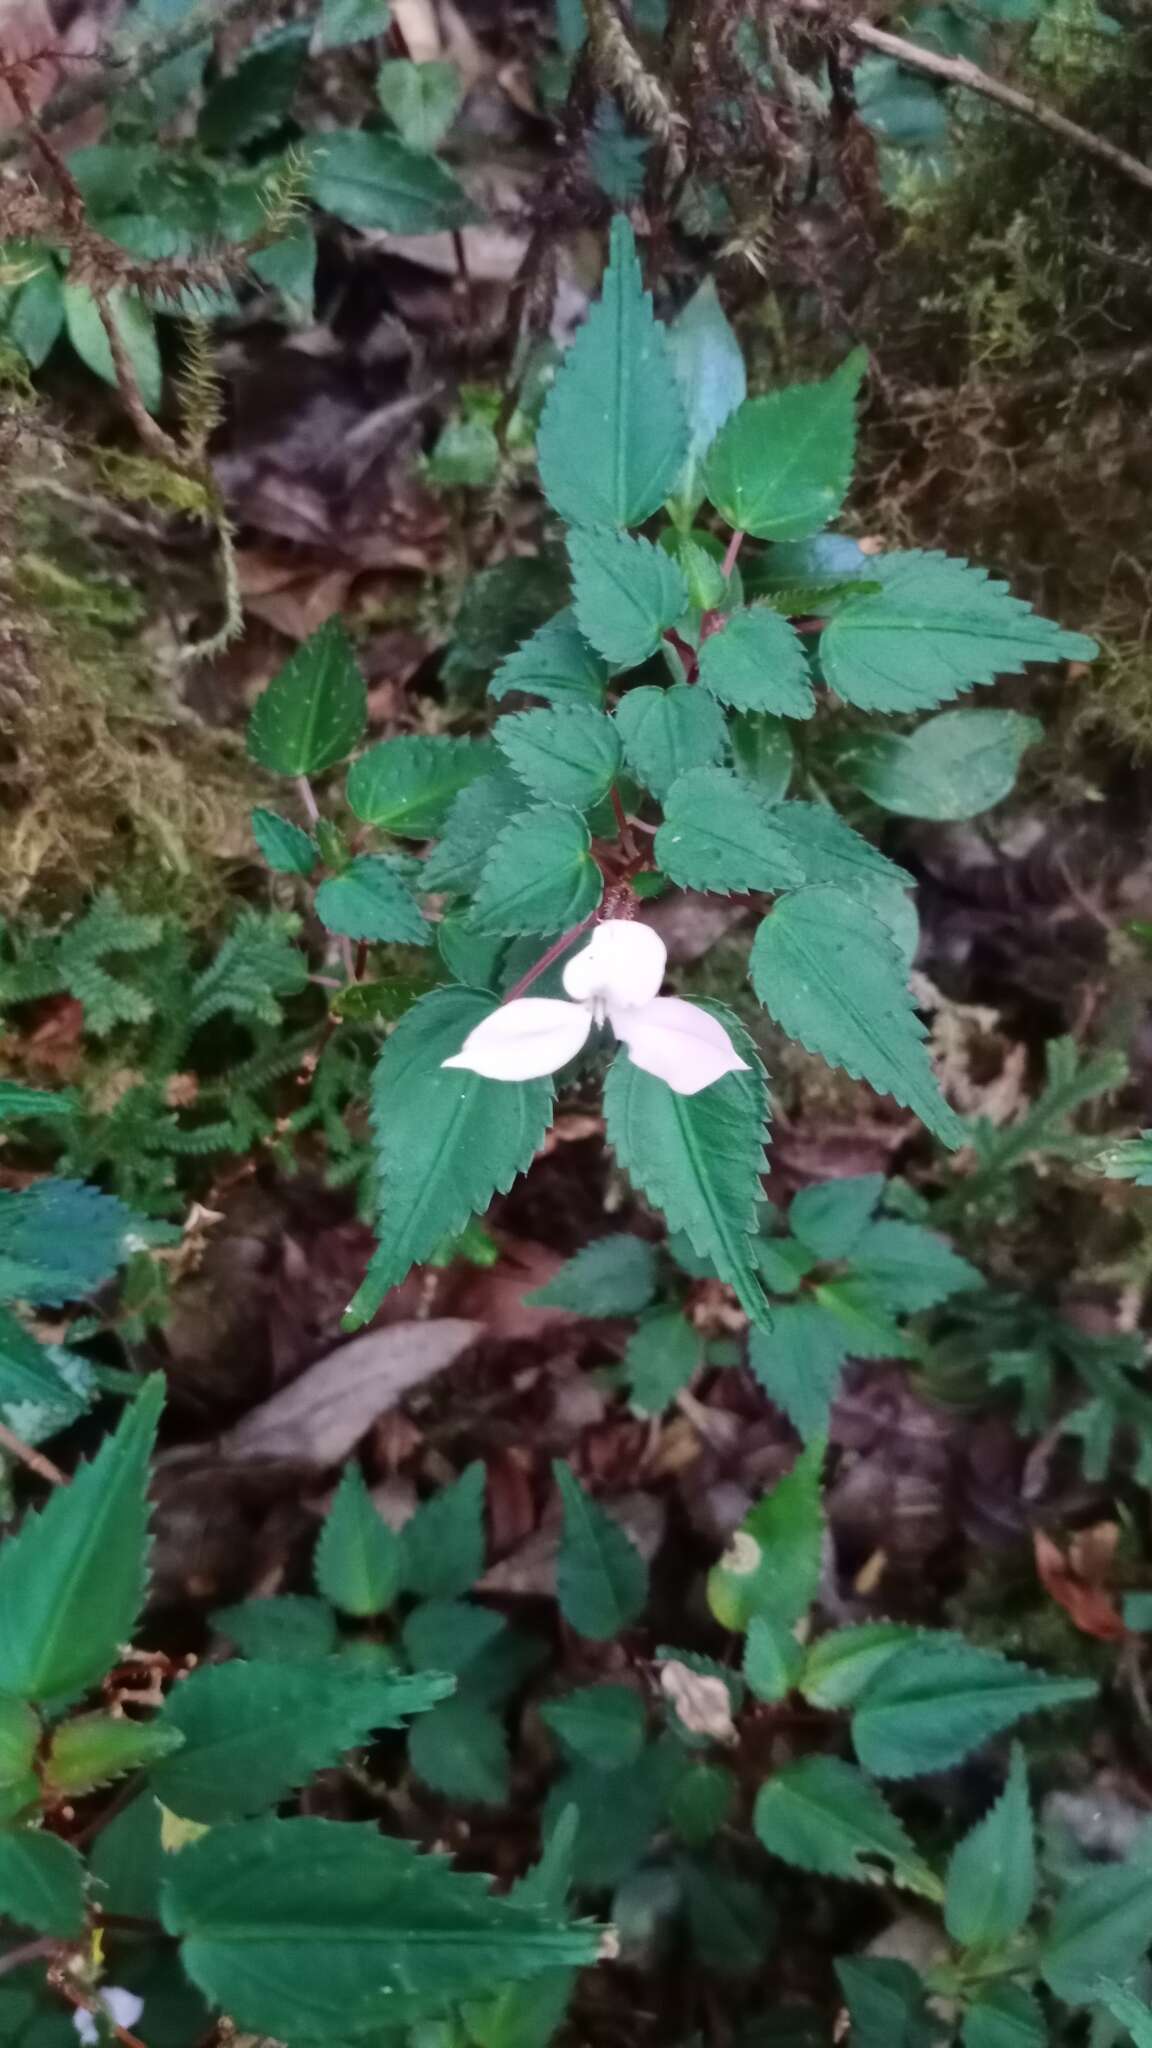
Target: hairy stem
542, 965
735, 543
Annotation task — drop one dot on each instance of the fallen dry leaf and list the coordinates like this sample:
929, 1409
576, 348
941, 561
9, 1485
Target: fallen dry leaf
702, 1704
1076, 1581
324, 1413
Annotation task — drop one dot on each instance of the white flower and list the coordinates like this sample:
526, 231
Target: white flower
616, 977
122, 2007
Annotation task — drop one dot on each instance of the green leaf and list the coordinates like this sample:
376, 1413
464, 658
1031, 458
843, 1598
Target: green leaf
287, 849
442, 1544
406, 786
953, 766
798, 1363
314, 710
612, 1276
756, 662
613, 435
868, 1329
615, 158
422, 100
460, 1750
991, 1884
369, 180
667, 732
450, 1634
603, 1724
35, 317
828, 850
47, 1103
941, 1697
911, 1268
772, 1565
601, 1578
828, 971
763, 754
256, 1905
886, 2002
254, 1732
93, 1749
1007, 2016
1130, 1160
625, 592
369, 901
60, 1240
701, 1802
832, 1216
824, 1815
709, 366
733, 1925
1137, 1610
842, 1663
662, 1356
937, 627
539, 876
290, 1629
1123, 2006
557, 663
699, 1158
136, 328
619, 1811
1101, 1928
773, 1658
72, 1581
254, 100
358, 1556
446, 1140
784, 1262
718, 835
20, 1733
343, 22
782, 464
35, 1397
476, 818
41, 1882
570, 756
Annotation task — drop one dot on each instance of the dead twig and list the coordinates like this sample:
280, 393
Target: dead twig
35, 1460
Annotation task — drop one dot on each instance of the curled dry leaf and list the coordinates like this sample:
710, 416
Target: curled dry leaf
1077, 1581
702, 1704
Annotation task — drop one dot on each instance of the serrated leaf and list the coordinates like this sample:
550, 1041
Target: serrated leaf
773, 1658
869, 1328
991, 1885
72, 1581
136, 328
709, 367
421, 99
699, 1158
618, 1811
442, 1544
357, 1565
832, 1216
370, 180
616, 158
842, 1663
60, 1240
35, 1397
289, 1629
828, 850
570, 756
612, 1276
603, 1724
763, 754
909, 1267
286, 847
406, 786
941, 1697
369, 901
823, 1815
450, 1634
756, 662
1100, 1928
41, 1882
956, 765
886, 2002
539, 876
1123, 2006
661, 1358
601, 1578
254, 1732
94, 1749
460, 1750
557, 663
625, 593
701, 1803
827, 969
34, 319
20, 1733
254, 99
772, 1564
477, 816
1007, 2016
613, 434
718, 835
342, 22
782, 464
938, 626
732, 1923
798, 1363
254, 1906
446, 1140
314, 710
665, 733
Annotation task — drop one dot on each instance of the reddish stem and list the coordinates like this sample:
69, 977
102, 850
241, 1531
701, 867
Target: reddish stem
687, 656
542, 965
735, 544
622, 826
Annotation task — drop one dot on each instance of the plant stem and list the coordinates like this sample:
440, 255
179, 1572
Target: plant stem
541, 966
35, 1460
735, 543
28, 1952
305, 792
622, 825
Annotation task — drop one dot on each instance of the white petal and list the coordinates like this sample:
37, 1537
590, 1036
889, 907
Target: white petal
523, 1040
623, 962
123, 2006
678, 1042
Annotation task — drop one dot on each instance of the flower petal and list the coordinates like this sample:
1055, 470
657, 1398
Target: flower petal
623, 962
678, 1042
523, 1040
